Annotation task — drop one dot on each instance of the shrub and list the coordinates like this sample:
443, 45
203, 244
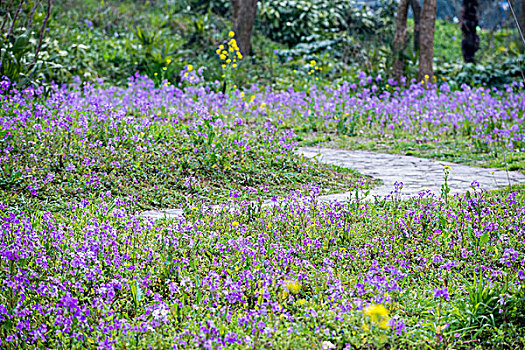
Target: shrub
21, 33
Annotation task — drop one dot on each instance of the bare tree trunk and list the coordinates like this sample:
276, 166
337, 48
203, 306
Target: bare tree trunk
400, 39
42, 30
469, 23
6, 15
17, 13
235, 10
426, 52
244, 12
416, 10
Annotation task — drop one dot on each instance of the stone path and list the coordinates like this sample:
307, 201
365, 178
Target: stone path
416, 174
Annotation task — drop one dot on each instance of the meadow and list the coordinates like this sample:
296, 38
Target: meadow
80, 268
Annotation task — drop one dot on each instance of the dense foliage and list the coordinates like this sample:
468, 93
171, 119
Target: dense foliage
22, 29
158, 144
80, 268
160, 110
298, 276
114, 40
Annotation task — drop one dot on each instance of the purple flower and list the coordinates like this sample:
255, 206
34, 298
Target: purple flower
441, 293
398, 325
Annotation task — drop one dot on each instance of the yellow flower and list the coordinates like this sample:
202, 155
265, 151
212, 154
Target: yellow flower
168, 61
231, 34
228, 61
155, 73
234, 65
313, 63
235, 223
375, 312
164, 68
235, 86
426, 77
190, 67
221, 47
218, 51
231, 49
384, 323
242, 94
222, 57
292, 286
447, 168
186, 74
239, 55
284, 294
223, 66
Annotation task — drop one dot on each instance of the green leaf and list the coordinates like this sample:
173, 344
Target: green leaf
484, 238
21, 44
136, 292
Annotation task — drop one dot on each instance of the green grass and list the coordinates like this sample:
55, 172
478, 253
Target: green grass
162, 163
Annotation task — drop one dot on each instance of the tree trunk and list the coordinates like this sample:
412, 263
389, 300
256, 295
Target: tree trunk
521, 17
469, 22
244, 12
400, 39
416, 10
426, 51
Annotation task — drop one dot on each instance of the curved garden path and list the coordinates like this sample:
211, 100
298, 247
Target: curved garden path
416, 174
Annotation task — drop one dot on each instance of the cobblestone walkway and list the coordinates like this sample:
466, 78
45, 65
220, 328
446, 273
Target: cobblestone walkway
416, 174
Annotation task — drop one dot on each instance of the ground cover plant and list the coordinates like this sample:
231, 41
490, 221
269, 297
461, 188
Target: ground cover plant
161, 143
477, 126
165, 146
435, 272
80, 268
109, 108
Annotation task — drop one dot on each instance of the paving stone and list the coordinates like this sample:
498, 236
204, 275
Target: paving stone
166, 213
417, 174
